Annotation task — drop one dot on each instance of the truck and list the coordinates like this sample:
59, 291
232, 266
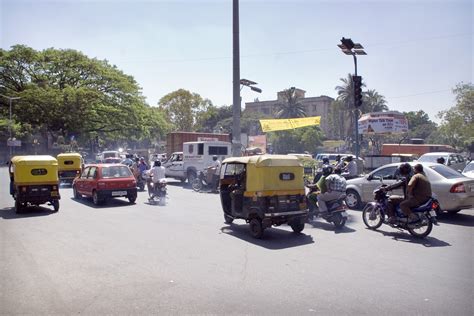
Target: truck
175, 140
414, 149
194, 157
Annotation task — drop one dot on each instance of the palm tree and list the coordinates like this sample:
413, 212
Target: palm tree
373, 102
291, 107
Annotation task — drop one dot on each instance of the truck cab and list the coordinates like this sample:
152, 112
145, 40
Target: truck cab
174, 166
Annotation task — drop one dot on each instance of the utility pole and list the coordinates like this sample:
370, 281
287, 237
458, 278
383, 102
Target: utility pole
236, 130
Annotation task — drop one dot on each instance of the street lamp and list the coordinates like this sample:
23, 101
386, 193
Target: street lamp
348, 47
10, 122
250, 84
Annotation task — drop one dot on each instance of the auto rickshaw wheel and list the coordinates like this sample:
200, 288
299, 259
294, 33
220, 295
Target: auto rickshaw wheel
256, 228
297, 227
228, 219
55, 204
18, 207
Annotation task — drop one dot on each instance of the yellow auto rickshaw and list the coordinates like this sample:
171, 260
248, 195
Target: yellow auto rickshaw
70, 167
34, 181
263, 190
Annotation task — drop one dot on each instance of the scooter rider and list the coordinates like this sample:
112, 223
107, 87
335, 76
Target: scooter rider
336, 187
404, 172
157, 173
314, 195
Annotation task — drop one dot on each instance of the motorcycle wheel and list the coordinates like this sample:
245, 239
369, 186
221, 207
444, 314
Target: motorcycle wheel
338, 220
372, 216
197, 185
422, 229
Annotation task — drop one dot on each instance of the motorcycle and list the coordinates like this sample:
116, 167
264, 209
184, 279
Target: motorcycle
141, 180
157, 192
201, 182
336, 213
374, 215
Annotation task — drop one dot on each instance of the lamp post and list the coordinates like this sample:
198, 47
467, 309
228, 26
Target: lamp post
348, 47
10, 122
236, 129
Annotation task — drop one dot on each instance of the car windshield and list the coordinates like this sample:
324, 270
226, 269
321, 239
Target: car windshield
431, 158
469, 167
116, 172
446, 172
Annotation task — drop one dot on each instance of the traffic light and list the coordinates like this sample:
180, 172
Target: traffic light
357, 90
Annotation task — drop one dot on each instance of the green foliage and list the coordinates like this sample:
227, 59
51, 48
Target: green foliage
300, 140
419, 124
373, 102
208, 121
457, 126
184, 109
291, 107
63, 92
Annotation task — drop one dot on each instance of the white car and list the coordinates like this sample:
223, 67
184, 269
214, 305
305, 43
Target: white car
453, 190
452, 160
469, 170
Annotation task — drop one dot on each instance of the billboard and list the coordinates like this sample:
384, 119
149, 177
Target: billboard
272, 125
383, 123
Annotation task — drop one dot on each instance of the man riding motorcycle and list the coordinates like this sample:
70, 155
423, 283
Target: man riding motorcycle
418, 191
331, 187
157, 174
404, 173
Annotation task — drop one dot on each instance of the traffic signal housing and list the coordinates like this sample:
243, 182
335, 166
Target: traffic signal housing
357, 90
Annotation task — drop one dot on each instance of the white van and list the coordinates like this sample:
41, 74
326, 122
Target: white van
196, 156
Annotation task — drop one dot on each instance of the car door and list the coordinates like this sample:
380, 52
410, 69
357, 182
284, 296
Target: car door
80, 183
91, 180
384, 175
176, 166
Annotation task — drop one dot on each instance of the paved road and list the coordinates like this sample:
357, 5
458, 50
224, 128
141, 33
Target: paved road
182, 258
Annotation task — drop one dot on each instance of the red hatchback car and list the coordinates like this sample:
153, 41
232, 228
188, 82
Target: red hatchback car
104, 181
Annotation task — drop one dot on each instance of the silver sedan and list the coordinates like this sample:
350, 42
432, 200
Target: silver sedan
453, 190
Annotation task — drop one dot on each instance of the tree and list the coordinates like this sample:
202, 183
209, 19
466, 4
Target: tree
373, 102
208, 121
291, 107
419, 124
457, 125
65, 93
183, 108
299, 140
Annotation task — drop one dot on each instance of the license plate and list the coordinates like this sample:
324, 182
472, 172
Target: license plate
433, 213
118, 193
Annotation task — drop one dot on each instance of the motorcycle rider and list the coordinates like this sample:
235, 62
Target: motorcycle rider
350, 170
418, 191
441, 160
157, 173
314, 195
214, 167
404, 173
336, 187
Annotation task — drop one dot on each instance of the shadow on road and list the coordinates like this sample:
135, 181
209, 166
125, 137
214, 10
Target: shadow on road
30, 211
273, 238
429, 242
113, 202
457, 219
330, 227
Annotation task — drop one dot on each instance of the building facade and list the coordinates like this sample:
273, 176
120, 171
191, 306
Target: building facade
314, 106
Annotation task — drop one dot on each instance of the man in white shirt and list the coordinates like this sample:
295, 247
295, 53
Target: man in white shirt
157, 173
215, 167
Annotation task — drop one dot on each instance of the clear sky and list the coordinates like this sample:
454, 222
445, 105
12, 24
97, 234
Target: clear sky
417, 50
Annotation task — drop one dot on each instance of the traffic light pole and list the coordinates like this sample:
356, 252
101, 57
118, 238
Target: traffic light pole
356, 112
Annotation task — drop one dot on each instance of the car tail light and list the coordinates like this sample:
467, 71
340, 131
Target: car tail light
458, 188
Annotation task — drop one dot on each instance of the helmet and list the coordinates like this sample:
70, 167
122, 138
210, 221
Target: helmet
157, 163
214, 157
327, 170
349, 158
405, 169
325, 161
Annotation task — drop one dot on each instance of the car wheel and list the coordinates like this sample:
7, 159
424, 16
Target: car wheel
353, 200
297, 227
77, 196
132, 199
95, 198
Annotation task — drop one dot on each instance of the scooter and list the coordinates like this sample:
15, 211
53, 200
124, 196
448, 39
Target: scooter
157, 192
336, 213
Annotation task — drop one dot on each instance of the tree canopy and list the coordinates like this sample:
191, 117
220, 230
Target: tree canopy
75, 96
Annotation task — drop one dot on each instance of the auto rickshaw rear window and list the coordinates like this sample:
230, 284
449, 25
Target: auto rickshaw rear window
68, 162
287, 176
39, 172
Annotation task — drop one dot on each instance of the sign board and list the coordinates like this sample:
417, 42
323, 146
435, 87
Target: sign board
14, 143
208, 139
383, 123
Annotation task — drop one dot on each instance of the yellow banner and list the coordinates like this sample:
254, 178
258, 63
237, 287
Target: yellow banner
292, 123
